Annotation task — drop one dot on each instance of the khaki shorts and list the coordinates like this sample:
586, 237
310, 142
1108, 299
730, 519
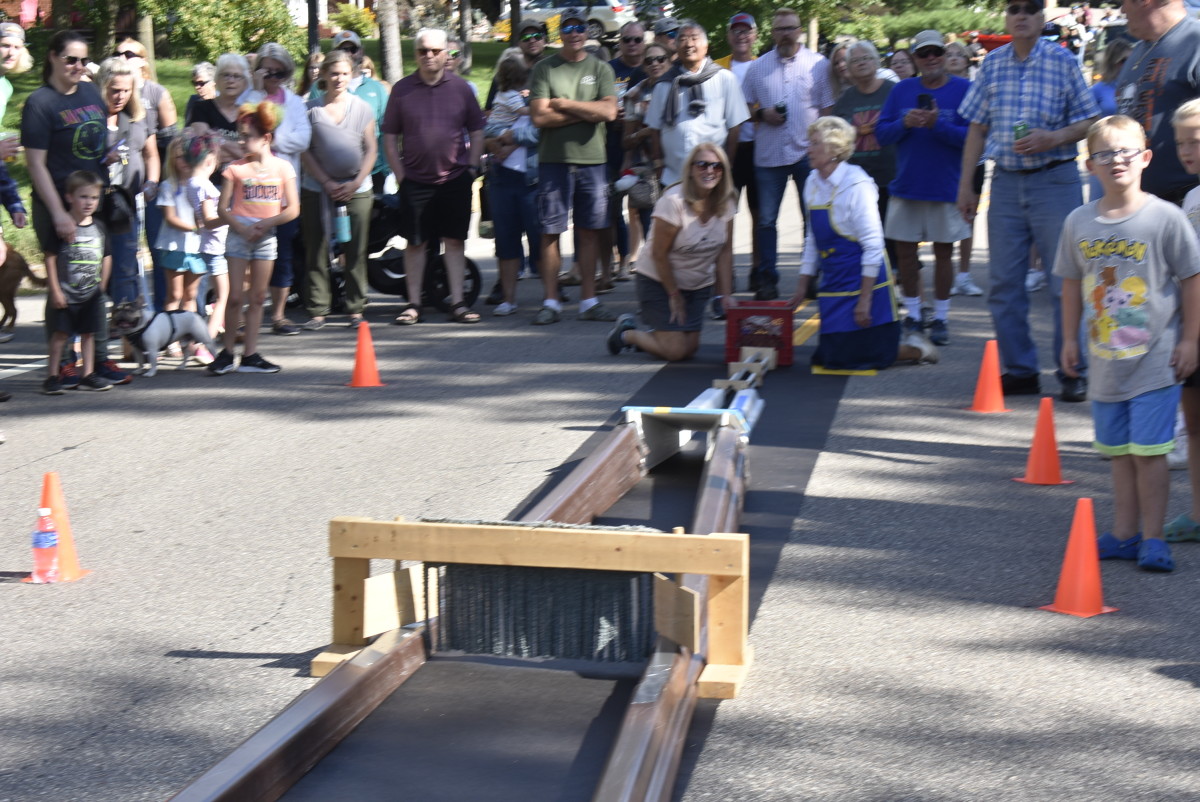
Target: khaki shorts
924, 221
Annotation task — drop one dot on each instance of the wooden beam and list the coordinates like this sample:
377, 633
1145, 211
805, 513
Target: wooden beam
349, 599
595, 484
535, 547
394, 599
676, 613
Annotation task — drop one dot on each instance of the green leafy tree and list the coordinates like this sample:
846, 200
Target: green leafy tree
236, 26
352, 18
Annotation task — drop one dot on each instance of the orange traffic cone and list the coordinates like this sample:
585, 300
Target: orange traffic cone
366, 373
68, 559
1043, 468
1079, 591
989, 397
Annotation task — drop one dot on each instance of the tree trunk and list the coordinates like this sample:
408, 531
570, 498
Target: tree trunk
389, 40
814, 34
514, 17
465, 27
60, 14
106, 32
145, 35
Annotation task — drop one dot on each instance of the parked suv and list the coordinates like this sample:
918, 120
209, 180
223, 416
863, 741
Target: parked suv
605, 17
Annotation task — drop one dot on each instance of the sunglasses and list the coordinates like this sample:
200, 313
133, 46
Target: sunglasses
671, 34
786, 29
71, 61
277, 76
632, 40
655, 59
709, 166
199, 82
573, 29
455, 53
930, 52
127, 54
430, 51
533, 37
349, 47
1107, 157
1024, 8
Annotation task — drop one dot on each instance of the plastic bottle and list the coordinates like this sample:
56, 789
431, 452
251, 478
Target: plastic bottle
45, 549
341, 223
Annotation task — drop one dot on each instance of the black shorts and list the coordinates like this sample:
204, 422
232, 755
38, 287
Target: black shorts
743, 172
1193, 381
435, 211
86, 317
43, 226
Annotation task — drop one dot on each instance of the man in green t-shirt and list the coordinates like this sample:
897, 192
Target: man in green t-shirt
571, 98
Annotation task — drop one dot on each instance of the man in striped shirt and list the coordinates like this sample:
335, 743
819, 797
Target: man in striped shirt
787, 89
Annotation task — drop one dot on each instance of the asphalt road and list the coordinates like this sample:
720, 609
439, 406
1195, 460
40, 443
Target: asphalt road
900, 654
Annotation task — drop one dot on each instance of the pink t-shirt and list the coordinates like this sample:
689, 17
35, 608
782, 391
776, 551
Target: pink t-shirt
693, 254
258, 187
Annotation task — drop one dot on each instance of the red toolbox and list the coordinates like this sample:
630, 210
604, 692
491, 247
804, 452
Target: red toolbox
759, 324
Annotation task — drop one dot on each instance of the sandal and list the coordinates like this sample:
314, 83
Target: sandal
461, 313
409, 314
1182, 528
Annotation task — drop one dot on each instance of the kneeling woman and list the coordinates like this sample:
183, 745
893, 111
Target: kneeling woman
844, 240
690, 248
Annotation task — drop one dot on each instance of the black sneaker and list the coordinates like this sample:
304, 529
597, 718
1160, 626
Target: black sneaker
222, 364
109, 370
496, 296
94, 381
615, 344
1074, 390
766, 292
284, 327
1020, 385
253, 363
52, 385
939, 332
911, 326
68, 375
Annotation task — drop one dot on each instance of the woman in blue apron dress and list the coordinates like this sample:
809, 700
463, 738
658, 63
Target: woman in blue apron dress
860, 328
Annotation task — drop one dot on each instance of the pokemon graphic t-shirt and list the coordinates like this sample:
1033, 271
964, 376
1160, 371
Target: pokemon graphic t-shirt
258, 186
72, 129
1130, 270
80, 261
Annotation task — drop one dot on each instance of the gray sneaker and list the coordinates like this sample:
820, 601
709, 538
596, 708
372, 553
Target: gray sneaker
598, 312
546, 315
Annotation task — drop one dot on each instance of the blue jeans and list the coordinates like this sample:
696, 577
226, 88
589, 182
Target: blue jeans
772, 181
126, 282
1027, 210
514, 211
154, 221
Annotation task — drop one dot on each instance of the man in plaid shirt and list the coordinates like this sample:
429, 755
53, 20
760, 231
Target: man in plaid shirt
1030, 105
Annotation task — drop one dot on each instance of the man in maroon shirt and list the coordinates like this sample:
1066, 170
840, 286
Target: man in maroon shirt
427, 113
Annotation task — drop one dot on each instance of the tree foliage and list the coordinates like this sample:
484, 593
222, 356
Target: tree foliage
352, 18
231, 26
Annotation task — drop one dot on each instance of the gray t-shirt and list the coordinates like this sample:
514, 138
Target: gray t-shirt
859, 109
338, 146
1130, 271
79, 263
1158, 77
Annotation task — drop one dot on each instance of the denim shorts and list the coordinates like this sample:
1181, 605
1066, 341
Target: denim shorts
263, 250
1144, 425
566, 187
654, 306
215, 263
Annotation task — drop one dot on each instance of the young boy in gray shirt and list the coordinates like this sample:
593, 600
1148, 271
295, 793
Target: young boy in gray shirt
1129, 262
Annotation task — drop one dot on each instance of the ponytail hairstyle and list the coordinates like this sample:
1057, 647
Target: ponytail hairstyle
264, 117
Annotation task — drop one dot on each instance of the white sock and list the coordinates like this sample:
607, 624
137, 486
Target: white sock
941, 309
587, 303
553, 304
912, 307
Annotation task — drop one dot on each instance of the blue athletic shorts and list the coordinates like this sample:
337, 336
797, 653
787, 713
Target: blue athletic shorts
1144, 425
566, 187
181, 262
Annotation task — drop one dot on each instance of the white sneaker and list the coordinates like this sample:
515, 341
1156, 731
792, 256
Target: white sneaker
1177, 460
504, 309
929, 351
1034, 280
965, 285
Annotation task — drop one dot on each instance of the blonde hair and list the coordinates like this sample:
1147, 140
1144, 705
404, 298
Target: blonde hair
137, 47
118, 67
1187, 111
1114, 122
722, 193
836, 133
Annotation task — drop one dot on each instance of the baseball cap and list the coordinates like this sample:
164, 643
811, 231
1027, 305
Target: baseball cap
11, 30
742, 18
666, 25
927, 39
341, 37
572, 13
531, 25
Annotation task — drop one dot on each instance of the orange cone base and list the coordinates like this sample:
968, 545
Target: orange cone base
1054, 608
368, 383
80, 574
1025, 481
